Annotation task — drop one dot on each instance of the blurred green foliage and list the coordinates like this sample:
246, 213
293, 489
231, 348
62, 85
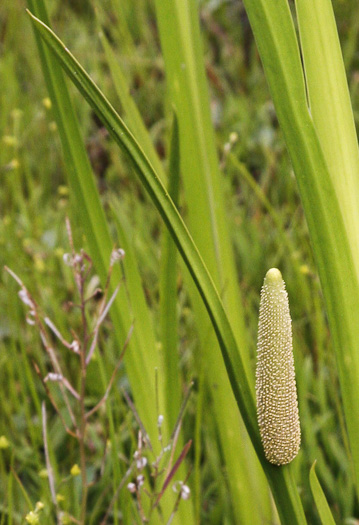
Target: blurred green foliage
34, 201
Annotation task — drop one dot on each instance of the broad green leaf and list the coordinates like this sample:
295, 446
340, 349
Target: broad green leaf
281, 481
333, 244
320, 499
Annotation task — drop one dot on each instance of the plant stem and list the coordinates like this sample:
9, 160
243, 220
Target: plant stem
82, 446
83, 419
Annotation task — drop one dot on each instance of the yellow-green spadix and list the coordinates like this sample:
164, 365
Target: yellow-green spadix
277, 405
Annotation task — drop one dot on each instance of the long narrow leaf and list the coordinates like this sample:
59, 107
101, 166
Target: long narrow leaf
133, 116
330, 107
168, 292
320, 499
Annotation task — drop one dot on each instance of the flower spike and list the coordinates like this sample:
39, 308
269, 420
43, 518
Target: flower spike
277, 404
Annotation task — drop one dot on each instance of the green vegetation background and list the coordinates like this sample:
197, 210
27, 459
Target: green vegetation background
266, 221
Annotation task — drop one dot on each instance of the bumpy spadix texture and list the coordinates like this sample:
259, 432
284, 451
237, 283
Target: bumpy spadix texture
277, 405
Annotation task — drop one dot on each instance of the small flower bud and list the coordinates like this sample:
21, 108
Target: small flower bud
51, 376
32, 518
4, 442
140, 480
183, 489
185, 492
24, 296
75, 347
117, 255
131, 487
233, 137
47, 102
68, 259
141, 463
75, 470
39, 506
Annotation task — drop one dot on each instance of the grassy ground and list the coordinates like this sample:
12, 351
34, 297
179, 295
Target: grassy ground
267, 228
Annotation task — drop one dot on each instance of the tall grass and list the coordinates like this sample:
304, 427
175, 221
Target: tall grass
327, 183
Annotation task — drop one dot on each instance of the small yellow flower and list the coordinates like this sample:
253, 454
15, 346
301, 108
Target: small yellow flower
39, 506
47, 103
233, 137
14, 164
63, 190
39, 263
10, 140
32, 518
304, 269
60, 498
75, 470
4, 443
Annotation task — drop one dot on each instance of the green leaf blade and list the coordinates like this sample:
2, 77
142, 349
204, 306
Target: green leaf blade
320, 499
330, 106
168, 291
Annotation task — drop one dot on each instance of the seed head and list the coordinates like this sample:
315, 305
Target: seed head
277, 405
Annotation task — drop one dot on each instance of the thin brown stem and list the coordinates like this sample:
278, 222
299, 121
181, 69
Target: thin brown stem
83, 419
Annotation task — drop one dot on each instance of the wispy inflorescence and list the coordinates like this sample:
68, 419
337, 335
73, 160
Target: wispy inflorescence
277, 405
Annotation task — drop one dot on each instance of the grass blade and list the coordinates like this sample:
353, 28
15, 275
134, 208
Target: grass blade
320, 499
330, 107
133, 116
168, 292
